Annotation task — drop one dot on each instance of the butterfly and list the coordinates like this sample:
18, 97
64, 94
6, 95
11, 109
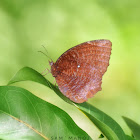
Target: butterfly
78, 71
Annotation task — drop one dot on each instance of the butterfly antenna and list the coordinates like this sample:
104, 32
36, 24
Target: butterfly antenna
45, 53
44, 48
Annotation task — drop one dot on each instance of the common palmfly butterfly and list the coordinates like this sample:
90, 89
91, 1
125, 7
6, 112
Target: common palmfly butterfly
78, 71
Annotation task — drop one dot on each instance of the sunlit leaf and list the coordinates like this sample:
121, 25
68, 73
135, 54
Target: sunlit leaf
29, 74
106, 124
130, 138
25, 116
109, 127
135, 128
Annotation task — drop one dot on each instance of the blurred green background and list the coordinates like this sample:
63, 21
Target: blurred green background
26, 25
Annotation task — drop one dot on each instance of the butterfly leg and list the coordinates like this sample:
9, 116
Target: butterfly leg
48, 71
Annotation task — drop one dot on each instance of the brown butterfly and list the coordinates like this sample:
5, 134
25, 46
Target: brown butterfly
79, 70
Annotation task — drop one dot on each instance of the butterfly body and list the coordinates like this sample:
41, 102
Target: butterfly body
79, 70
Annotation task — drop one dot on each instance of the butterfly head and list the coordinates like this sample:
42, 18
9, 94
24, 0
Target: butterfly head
51, 63
53, 69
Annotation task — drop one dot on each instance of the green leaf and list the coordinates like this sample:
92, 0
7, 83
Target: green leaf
29, 74
135, 128
25, 116
109, 127
101, 136
129, 138
106, 124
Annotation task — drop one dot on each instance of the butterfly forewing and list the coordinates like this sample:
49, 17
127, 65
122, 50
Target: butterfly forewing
79, 70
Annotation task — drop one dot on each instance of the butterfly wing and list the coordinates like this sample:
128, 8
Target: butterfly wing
79, 70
